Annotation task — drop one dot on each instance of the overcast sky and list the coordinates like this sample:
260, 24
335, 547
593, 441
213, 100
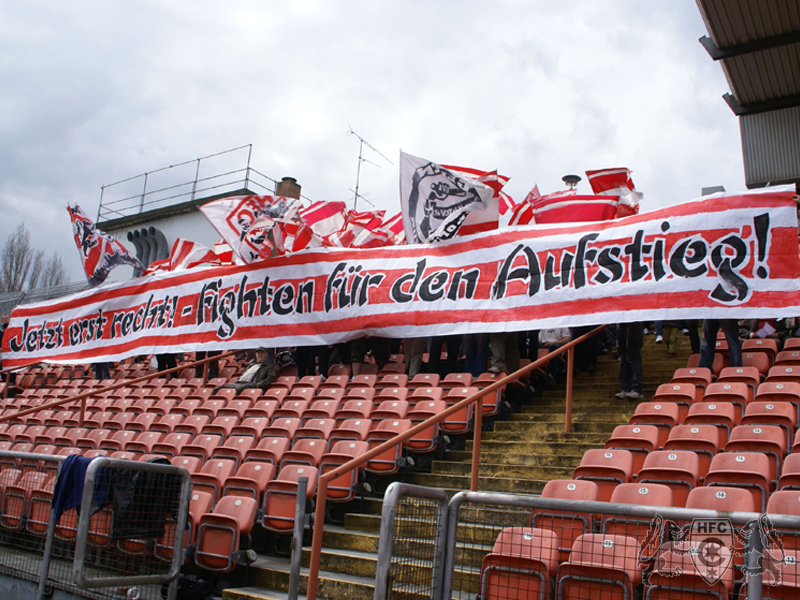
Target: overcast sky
92, 92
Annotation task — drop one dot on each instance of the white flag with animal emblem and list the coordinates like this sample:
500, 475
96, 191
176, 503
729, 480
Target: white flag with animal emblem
431, 196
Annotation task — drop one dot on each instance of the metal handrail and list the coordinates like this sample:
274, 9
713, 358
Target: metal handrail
324, 479
125, 383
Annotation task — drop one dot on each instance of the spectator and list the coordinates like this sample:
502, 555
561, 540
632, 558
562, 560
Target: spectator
258, 374
552, 340
505, 352
213, 365
476, 351
414, 349
377, 345
102, 370
708, 343
670, 331
586, 351
630, 338
166, 361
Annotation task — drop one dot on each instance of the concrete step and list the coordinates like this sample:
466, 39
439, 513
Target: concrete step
522, 457
489, 484
538, 448
532, 428
614, 417
498, 470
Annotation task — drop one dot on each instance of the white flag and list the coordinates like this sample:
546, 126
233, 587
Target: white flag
431, 195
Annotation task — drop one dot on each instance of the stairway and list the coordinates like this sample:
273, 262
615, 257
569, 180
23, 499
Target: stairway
519, 456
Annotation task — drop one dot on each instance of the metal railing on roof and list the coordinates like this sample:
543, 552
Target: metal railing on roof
182, 182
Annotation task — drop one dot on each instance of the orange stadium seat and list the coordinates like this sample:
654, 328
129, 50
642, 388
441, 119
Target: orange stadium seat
521, 565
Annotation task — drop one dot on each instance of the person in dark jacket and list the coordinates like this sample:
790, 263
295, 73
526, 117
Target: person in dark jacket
258, 374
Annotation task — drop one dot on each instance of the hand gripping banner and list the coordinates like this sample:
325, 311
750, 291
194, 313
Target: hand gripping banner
732, 256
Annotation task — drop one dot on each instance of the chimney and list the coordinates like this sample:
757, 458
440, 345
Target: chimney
288, 188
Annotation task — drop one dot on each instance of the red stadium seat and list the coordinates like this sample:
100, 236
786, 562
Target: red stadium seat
305, 451
676, 575
782, 414
521, 565
600, 566
767, 439
343, 488
567, 525
769, 346
212, 476
424, 380
640, 440
786, 502
701, 439
337, 382
235, 448
790, 473
784, 374
392, 380
389, 461
390, 409
788, 358
426, 440
759, 360
682, 394
607, 468
663, 416
269, 449
651, 494
748, 470
250, 480
738, 393
219, 532
701, 377
280, 497
679, 470
721, 415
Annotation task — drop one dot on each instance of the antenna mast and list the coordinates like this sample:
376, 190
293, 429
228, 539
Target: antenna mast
361, 143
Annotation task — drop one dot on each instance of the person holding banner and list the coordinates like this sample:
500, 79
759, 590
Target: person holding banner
630, 339
708, 343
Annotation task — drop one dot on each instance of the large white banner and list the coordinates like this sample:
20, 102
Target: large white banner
724, 257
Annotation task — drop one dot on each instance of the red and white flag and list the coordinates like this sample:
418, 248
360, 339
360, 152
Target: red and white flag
324, 217
187, 255
617, 182
394, 227
223, 251
570, 207
234, 218
437, 202
522, 213
100, 252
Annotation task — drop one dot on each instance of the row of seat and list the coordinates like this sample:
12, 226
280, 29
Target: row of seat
524, 564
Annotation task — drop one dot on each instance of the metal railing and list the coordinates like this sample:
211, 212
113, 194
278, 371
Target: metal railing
326, 478
100, 552
495, 545
185, 188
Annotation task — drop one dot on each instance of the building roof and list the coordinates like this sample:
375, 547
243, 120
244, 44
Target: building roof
757, 43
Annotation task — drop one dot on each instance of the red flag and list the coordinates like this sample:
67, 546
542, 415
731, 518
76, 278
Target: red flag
569, 207
100, 252
617, 182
